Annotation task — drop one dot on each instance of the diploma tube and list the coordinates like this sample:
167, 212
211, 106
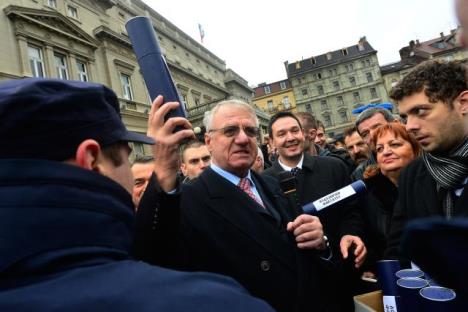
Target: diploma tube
152, 63
354, 189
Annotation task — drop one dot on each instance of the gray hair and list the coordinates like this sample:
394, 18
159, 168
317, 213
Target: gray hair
208, 119
370, 112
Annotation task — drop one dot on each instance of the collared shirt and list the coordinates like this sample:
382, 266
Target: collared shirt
235, 179
287, 168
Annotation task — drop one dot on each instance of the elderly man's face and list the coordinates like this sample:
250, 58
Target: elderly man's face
233, 152
141, 175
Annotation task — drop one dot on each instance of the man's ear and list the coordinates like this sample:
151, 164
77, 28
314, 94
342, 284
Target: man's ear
463, 101
183, 168
312, 133
208, 141
88, 154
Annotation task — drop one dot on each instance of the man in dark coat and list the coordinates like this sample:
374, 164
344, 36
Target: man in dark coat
316, 177
434, 100
235, 222
66, 213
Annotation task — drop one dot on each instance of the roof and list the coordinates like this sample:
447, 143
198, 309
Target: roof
274, 87
338, 56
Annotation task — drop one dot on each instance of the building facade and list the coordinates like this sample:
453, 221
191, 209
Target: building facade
86, 40
274, 97
331, 85
444, 47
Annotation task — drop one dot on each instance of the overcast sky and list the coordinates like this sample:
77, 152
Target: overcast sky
256, 37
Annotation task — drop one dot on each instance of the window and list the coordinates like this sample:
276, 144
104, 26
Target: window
336, 85
267, 89
82, 71
339, 100
36, 62
320, 89
286, 103
72, 12
319, 75
52, 3
369, 77
304, 91
327, 120
352, 81
349, 67
126, 87
61, 66
373, 93
323, 104
283, 85
308, 107
270, 105
344, 116
368, 62
357, 97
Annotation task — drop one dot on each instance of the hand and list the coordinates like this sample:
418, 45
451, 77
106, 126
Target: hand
360, 252
166, 149
308, 232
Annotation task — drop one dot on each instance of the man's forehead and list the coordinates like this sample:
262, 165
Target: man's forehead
228, 114
196, 151
352, 138
142, 169
285, 122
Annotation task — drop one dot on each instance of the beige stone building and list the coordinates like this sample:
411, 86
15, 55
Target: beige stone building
86, 40
331, 85
444, 47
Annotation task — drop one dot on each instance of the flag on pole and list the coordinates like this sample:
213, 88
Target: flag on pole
202, 32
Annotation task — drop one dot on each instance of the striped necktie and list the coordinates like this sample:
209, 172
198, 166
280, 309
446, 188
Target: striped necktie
244, 184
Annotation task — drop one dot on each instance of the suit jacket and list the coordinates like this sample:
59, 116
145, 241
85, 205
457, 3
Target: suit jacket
321, 176
418, 198
221, 229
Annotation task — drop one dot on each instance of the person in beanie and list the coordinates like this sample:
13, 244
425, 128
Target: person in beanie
66, 211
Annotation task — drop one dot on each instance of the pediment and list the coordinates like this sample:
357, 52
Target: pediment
52, 21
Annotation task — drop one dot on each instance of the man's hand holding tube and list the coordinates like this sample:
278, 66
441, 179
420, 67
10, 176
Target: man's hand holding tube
360, 250
308, 231
166, 149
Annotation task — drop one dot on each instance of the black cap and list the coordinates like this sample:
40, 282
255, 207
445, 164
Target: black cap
49, 118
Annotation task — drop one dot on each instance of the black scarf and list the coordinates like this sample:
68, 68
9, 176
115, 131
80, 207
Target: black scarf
449, 172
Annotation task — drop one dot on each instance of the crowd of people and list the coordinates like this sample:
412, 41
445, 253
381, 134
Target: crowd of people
210, 226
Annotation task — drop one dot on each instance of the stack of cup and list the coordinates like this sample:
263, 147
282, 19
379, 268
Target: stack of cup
410, 290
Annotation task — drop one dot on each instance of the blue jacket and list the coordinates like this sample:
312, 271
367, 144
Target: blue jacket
65, 236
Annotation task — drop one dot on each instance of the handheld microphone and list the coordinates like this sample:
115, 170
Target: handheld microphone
287, 182
356, 188
289, 187
153, 66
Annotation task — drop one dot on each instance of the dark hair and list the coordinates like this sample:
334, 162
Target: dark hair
440, 81
112, 151
398, 130
143, 159
190, 144
280, 115
320, 125
349, 131
309, 120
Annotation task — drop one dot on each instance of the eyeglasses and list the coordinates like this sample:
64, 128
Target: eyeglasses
231, 131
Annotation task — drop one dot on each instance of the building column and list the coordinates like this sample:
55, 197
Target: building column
50, 62
25, 69
73, 69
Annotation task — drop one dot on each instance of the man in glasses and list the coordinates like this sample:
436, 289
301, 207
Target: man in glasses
194, 158
235, 222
